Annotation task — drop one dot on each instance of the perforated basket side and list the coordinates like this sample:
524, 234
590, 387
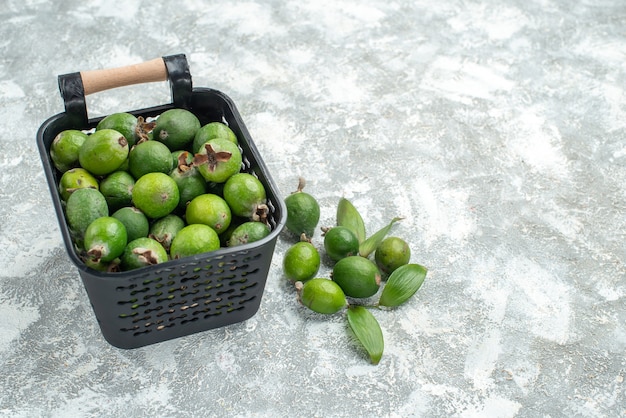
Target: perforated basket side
185, 297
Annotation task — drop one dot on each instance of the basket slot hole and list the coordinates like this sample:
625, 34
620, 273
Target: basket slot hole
170, 297
158, 308
144, 318
125, 288
136, 327
184, 321
245, 273
238, 308
168, 312
125, 302
250, 286
240, 295
154, 295
212, 301
148, 281
193, 305
130, 315
250, 299
182, 302
144, 290
225, 292
186, 279
163, 326
175, 318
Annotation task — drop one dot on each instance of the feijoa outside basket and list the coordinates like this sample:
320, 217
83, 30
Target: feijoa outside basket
182, 296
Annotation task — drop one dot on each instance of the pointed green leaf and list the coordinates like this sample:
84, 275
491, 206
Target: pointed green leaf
369, 245
402, 284
367, 331
349, 216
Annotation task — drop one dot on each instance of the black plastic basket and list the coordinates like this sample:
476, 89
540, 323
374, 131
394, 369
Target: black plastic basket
183, 296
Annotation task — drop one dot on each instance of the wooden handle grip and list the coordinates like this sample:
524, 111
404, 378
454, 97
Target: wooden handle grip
145, 72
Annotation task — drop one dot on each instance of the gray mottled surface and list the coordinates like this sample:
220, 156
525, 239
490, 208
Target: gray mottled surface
497, 128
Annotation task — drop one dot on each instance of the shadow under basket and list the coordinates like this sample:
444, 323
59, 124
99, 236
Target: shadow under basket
182, 296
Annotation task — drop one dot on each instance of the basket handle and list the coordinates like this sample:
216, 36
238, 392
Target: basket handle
105, 79
75, 86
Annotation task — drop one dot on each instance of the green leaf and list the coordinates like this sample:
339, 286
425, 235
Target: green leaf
402, 284
367, 330
369, 245
349, 216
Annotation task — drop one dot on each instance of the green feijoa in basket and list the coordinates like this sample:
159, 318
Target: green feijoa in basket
194, 239
218, 160
103, 152
117, 189
211, 131
189, 181
74, 179
209, 209
124, 123
165, 229
149, 157
105, 239
83, 207
176, 128
246, 196
142, 252
156, 195
64, 149
136, 223
247, 232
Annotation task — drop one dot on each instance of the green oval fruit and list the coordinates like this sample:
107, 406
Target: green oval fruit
190, 184
136, 223
149, 157
103, 152
246, 196
65, 147
301, 262
117, 189
357, 276
194, 239
165, 229
74, 179
142, 252
340, 242
83, 207
122, 122
209, 209
303, 212
322, 296
211, 131
392, 253
156, 195
176, 128
248, 232
105, 239
218, 160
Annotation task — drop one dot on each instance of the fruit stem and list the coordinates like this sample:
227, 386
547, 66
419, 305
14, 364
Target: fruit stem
301, 184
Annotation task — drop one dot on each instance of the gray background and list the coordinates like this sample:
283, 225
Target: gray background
496, 128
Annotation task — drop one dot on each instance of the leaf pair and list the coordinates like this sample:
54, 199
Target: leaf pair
401, 285
349, 217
